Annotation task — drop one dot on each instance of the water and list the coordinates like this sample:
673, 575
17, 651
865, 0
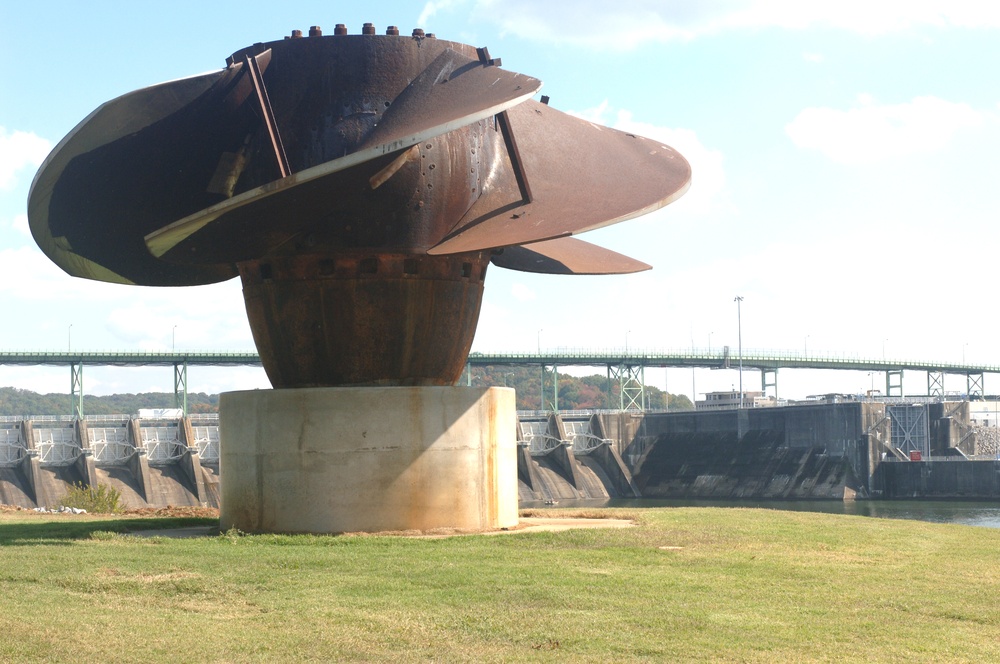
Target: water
983, 514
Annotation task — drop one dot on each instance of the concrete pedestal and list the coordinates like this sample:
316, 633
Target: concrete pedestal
348, 459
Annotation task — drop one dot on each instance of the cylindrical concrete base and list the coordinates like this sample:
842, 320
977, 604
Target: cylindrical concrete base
349, 459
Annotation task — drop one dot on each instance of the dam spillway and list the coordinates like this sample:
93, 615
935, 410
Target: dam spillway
823, 451
158, 461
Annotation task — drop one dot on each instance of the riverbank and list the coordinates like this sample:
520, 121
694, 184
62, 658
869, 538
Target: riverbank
684, 584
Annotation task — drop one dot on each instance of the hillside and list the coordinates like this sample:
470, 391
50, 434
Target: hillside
14, 401
575, 393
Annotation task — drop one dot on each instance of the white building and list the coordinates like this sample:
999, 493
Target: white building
984, 413
731, 400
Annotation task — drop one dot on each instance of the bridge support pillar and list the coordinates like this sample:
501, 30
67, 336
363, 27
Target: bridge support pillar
555, 388
769, 378
181, 387
974, 385
541, 387
894, 383
76, 388
935, 383
631, 386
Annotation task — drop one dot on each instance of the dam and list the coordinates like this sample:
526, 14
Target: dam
153, 461
838, 450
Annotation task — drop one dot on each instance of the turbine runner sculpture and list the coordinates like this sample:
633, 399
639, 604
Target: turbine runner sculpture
359, 185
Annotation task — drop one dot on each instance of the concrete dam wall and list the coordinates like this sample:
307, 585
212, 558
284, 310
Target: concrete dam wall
151, 462
569, 458
810, 452
947, 480
806, 452
825, 451
758, 466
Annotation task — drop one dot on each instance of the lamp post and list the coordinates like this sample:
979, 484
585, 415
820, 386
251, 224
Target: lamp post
173, 339
805, 345
541, 374
626, 341
69, 338
739, 337
710, 343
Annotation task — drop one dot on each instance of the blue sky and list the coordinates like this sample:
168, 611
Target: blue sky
844, 160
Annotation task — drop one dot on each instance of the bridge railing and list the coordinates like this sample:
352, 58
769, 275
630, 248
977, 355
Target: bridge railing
751, 358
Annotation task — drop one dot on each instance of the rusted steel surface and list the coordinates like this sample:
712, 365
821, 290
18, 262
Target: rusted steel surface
364, 318
566, 255
359, 185
625, 175
253, 72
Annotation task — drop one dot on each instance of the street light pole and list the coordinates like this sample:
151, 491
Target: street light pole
69, 338
739, 336
173, 339
541, 374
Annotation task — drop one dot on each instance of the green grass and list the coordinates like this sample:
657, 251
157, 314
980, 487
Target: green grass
744, 585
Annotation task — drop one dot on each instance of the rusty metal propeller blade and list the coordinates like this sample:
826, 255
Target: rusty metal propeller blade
612, 176
566, 255
453, 91
113, 120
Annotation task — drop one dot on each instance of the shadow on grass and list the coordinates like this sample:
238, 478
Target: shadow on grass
14, 533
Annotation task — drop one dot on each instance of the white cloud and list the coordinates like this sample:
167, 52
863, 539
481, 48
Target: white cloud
522, 293
870, 18
871, 132
435, 6
708, 179
598, 24
20, 224
813, 57
162, 319
623, 25
18, 150
114, 316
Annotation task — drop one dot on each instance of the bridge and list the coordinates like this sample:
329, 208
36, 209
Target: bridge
76, 360
626, 366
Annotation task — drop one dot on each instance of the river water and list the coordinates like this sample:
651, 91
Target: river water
984, 514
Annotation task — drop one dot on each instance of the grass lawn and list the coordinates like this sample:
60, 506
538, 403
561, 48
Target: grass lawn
686, 584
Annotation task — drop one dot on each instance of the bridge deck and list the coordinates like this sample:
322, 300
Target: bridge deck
755, 359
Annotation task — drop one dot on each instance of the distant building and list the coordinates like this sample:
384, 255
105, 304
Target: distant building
731, 400
984, 413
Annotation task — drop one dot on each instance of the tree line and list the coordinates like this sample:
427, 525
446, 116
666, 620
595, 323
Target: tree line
15, 401
575, 393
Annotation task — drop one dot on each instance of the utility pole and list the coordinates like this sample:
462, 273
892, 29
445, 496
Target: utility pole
541, 374
739, 336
